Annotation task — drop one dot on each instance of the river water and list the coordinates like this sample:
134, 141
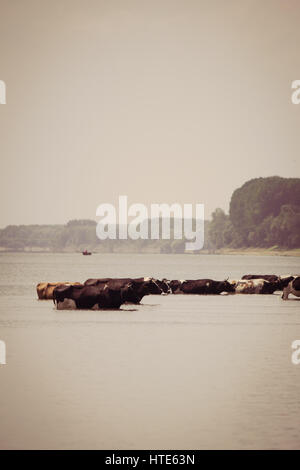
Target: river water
176, 372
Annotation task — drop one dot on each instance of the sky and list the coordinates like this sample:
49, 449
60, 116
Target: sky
163, 101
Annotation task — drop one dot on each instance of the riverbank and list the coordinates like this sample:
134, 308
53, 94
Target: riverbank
255, 251
222, 251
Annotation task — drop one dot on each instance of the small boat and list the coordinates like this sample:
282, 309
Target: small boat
85, 253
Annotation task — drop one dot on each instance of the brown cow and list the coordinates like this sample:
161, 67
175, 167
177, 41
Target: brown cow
45, 289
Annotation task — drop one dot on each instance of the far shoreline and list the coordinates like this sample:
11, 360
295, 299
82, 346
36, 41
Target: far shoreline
221, 251
255, 251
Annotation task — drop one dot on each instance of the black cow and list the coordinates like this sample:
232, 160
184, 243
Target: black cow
139, 287
266, 277
92, 297
164, 285
200, 286
284, 282
175, 286
292, 288
104, 280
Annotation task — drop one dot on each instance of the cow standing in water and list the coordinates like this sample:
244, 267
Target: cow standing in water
279, 281
92, 297
142, 286
103, 293
292, 288
45, 289
254, 286
200, 286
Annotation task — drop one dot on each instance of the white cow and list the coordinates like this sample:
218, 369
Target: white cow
253, 286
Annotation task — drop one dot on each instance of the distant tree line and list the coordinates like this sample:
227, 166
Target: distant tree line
78, 235
264, 212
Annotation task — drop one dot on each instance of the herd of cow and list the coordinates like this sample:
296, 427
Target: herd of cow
111, 293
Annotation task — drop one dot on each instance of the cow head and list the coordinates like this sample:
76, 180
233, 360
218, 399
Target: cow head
226, 286
65, 291
284, 282
140, 288
150, 286
270, 287
174, 285
164, 286
130, 293
61, 292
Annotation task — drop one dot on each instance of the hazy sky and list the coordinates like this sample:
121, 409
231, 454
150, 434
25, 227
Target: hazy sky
159, 100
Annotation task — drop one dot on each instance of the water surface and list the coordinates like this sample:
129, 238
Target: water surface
178, 372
